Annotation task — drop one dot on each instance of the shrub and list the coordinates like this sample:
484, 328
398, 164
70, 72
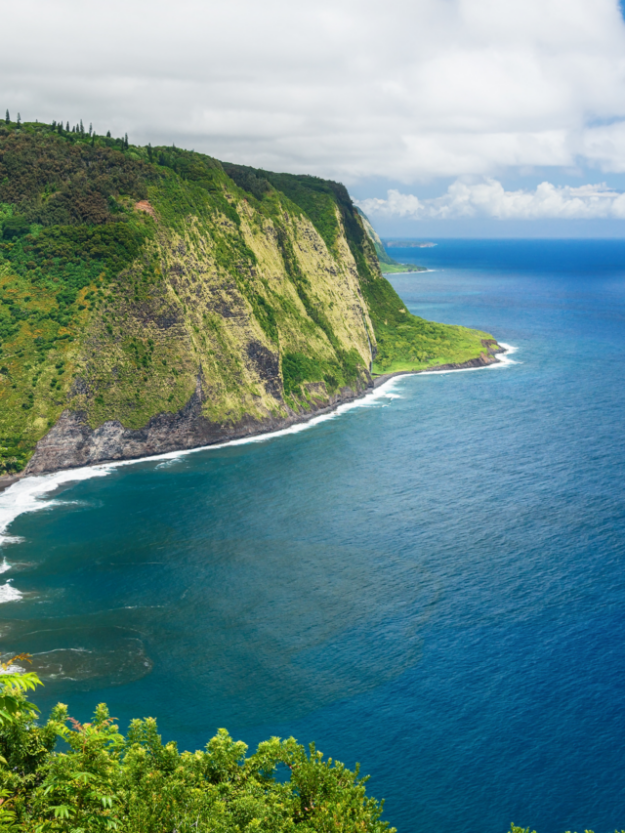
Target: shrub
15, 226
105, 781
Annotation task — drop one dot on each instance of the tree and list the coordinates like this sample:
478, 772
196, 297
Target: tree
104, 781
7, 118
14, 684
15, 226
19, 119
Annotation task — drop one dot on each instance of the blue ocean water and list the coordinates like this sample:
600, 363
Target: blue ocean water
431, 583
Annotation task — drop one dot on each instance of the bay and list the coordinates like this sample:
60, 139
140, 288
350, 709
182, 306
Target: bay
430, 583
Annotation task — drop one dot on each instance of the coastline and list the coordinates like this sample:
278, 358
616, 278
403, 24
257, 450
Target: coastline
299, 422
485, 360
24, 493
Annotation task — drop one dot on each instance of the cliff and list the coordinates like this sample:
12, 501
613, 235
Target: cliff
154, 299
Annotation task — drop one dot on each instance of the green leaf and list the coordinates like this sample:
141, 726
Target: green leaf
63, 811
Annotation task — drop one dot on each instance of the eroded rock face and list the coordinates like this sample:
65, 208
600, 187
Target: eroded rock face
267, 365
72, 443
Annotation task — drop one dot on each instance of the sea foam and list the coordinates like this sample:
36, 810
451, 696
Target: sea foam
8, 593
503, 360
26, 494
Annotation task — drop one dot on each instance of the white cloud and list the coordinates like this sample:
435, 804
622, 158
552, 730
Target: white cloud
605, 147
408, 89
490, 199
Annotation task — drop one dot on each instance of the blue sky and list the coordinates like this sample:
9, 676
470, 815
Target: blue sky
443, 117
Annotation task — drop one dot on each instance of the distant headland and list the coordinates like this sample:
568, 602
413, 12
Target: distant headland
408, 244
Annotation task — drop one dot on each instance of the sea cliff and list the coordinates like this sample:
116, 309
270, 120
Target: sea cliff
155, 299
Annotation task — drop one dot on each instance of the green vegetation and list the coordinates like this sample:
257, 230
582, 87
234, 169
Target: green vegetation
409, 343
317, 198
131, 275
298, 369
400, 268
101, 780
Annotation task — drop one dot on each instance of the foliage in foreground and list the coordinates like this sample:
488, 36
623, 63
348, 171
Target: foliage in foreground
101, 780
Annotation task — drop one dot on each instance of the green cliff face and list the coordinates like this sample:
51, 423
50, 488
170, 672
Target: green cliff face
136, 283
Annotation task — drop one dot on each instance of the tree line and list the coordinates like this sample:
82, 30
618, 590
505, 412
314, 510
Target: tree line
78, 129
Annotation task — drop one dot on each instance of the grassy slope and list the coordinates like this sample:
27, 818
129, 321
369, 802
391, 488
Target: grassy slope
400, 268
260, 290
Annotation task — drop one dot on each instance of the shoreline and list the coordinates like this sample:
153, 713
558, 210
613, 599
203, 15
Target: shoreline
21, 494
304, 421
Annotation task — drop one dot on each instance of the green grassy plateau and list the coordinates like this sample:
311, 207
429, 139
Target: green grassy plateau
399, 268
133, 277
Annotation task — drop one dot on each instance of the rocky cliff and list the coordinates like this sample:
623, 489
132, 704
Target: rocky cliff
154, 299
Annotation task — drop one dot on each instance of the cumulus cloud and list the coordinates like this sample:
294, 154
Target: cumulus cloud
490, 199
407, 89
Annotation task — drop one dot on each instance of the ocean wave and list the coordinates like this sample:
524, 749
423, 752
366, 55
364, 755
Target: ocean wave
26, 495
13, 539
8, 593
504, 358
166, 464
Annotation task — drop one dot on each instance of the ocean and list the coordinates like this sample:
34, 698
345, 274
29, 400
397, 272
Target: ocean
430, 582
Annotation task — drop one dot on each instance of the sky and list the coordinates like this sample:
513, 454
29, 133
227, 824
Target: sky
487, 118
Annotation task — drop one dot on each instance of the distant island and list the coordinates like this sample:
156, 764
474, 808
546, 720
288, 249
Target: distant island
408, 244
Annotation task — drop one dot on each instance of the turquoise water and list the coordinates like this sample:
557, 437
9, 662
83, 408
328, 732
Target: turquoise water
431, 583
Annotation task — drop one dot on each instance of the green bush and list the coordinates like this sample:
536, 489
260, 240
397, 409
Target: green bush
298, 368
101, 780
15, 227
